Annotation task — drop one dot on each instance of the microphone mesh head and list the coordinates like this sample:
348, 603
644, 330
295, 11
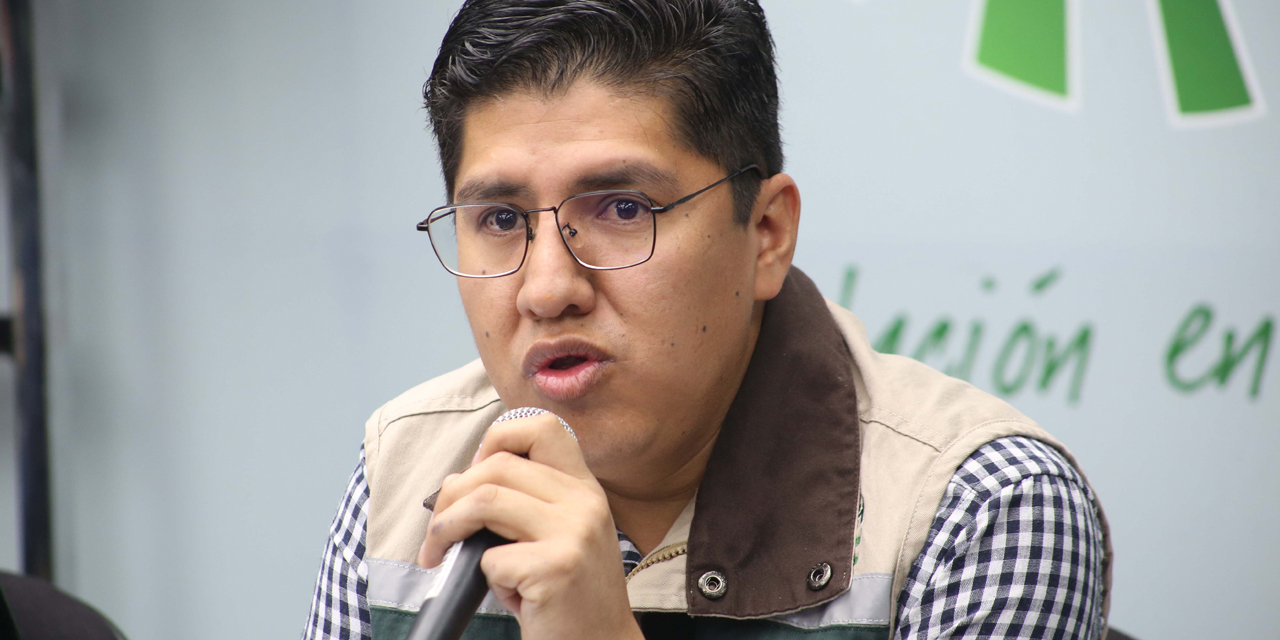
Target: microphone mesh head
529, 412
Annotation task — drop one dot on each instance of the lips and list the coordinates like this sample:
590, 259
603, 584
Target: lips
565, 369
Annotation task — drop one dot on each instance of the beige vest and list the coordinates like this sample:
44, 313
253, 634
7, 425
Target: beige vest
917, 427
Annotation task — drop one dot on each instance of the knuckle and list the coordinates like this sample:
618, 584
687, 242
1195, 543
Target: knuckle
537, 591
549, 423
596, 508
504, 458
500, 436
446, 495
502, 430
486, 494
590, 527
567, 559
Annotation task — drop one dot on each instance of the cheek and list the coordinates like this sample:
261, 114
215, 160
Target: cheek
708, 265
690, 302
491, 309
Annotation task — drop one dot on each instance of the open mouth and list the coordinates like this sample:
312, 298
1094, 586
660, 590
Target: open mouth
566, 362
565, 369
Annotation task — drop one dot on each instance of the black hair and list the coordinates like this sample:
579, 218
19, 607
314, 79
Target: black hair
712, 59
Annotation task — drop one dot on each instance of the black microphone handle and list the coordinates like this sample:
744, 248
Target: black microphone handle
447, 615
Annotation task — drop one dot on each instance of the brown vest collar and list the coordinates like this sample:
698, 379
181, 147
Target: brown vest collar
781, 488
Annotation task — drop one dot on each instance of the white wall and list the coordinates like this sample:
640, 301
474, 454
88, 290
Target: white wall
234, 282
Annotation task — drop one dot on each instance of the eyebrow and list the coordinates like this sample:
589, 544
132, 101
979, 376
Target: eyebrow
634, 175
490, 190
629, 176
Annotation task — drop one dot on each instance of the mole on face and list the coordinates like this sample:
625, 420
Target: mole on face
704, 328
735, 293
486, 334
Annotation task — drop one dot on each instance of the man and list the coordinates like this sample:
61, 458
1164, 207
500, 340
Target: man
745, 465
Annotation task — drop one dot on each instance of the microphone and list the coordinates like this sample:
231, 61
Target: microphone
446, 615
457, 594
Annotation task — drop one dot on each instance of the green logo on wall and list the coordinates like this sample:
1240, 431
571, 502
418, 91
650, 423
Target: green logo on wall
1032, 48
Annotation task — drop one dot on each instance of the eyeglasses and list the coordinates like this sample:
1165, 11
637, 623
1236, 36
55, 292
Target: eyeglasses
603, 230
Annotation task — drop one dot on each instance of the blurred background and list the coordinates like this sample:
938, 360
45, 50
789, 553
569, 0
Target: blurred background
1074, 204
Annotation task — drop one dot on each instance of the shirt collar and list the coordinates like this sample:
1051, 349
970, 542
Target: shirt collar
780, 492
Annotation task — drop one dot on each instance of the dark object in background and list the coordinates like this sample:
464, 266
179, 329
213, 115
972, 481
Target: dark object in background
8, 628
18, 117
37, 610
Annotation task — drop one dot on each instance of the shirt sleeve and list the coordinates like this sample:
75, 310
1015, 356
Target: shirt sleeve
1015, 551
339, 610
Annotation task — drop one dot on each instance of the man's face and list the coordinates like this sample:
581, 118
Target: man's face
641, 361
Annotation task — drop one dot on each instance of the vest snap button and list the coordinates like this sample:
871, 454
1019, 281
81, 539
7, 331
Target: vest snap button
713, 585
819, 576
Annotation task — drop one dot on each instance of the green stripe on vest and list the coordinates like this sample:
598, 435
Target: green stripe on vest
393, 624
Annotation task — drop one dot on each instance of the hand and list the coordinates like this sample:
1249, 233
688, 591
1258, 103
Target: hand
562, 575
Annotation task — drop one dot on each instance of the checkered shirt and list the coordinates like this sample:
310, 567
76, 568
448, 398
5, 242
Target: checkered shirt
339, 609
1015, 551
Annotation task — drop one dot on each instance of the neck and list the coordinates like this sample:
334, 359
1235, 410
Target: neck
646, 510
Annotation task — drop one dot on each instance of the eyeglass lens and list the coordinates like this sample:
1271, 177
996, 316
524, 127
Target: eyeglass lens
603, 230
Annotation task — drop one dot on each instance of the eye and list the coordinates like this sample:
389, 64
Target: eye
626, 209
619, 207
500, 220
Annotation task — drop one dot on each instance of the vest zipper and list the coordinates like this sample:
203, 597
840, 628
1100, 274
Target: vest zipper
661, 555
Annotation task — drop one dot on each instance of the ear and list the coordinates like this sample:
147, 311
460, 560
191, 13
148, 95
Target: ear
775, 221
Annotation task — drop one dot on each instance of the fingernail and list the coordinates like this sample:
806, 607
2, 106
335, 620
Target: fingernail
429, 503
475, 457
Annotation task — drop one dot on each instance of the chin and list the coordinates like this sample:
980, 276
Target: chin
612, 448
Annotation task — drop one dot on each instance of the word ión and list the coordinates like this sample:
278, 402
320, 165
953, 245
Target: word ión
1027, 355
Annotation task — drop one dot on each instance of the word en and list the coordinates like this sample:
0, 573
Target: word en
1193, 328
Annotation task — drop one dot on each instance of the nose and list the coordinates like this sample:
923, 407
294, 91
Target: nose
554, 283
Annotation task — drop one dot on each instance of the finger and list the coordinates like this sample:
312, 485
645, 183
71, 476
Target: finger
513, 567
539, 437
509, 598
506, 469
506, 512
532, 568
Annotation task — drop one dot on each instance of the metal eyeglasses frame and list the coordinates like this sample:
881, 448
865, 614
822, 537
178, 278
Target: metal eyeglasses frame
440, 212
